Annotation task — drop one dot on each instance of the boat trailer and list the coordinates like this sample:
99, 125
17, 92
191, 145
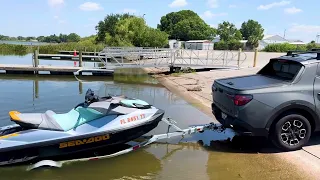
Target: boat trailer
149, 140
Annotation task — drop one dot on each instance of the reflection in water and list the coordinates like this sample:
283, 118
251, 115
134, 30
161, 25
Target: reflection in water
140, 165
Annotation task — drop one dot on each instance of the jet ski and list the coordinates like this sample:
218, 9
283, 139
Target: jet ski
97, 122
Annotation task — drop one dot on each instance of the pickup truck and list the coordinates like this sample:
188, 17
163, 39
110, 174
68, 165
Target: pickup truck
280, 102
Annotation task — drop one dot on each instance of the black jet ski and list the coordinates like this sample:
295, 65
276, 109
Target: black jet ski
97, 122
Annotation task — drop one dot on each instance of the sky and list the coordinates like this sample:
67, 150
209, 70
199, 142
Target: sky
294, 19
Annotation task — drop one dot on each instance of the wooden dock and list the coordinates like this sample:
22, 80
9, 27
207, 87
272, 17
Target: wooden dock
67, 57
77, 52
54, 70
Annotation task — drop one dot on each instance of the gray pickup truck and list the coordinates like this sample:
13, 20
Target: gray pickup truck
280, 102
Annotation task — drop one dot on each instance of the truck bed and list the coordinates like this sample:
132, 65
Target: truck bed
250, 82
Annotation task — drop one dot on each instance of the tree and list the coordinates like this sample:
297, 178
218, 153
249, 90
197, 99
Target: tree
20, 38
40, 38
252, 31
108, 25
73, 37
30, 38
185, 25
63, 37
133, 31
228, 31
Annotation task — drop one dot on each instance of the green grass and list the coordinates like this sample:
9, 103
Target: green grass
183, 71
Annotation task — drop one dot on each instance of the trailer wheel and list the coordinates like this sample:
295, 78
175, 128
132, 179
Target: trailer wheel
291, 132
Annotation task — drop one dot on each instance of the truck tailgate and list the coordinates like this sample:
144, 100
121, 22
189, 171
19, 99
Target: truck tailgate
221, 97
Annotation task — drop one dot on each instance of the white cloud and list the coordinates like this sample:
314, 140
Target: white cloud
272, 5
233, 6
303, 28
126, 10
213, 3
54, 3
178, 3
90, 6
56, 17
292, 10
62, 21
209, 15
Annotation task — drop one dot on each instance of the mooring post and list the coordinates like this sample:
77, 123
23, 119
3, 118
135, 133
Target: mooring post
36, 88
80, 58
80, 88
255, 57
35, 60
239, 54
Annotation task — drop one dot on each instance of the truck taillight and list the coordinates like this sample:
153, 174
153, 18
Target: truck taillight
240, 100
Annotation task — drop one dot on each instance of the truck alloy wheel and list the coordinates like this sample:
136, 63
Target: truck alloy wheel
291, 132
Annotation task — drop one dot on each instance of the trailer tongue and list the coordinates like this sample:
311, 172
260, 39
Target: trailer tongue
147, 141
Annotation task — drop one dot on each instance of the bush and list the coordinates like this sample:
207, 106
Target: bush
312, 45
228, 45
14, 49
284, 47
221, 45
234, 45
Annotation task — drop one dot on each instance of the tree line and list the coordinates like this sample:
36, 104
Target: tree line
72, 37
184, 25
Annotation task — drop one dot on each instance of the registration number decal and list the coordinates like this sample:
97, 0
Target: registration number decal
132, 119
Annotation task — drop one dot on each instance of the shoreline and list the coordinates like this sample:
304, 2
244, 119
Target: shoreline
300, 160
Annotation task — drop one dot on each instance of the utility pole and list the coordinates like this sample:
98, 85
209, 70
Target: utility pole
284, 34
143, 17
317, 37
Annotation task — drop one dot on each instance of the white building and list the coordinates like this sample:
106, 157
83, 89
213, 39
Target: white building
174, 44
272, 39
199, 44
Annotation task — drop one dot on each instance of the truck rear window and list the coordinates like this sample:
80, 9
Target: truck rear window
281, 69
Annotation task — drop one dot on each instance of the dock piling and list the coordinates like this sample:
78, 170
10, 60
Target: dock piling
239, 54
36, 60
255, 57
80, 58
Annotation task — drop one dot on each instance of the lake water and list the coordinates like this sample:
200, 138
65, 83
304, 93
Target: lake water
202, 156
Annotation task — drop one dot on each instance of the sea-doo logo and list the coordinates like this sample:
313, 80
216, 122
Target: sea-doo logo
84, 141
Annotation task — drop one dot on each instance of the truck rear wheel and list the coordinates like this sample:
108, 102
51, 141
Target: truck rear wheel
291, 132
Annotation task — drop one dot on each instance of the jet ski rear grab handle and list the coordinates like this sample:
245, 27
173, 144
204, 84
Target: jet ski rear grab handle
150, 139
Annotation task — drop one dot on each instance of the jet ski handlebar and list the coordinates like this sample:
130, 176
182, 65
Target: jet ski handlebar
89, 98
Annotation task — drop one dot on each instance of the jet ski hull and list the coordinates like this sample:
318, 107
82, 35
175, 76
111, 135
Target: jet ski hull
76, 144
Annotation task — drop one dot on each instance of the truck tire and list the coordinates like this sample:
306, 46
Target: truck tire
291, 132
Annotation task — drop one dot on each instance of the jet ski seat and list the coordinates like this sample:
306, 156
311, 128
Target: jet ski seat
78, 115
53, 121
135, 103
